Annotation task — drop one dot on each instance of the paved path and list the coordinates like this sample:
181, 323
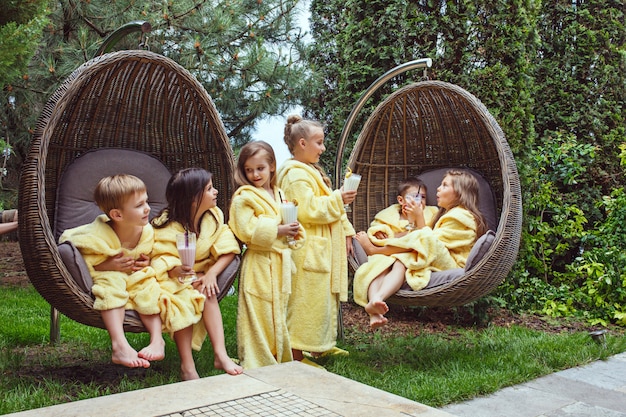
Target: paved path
594, 390
285, 390
295, 389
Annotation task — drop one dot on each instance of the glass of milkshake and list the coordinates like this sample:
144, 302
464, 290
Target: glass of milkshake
289, 214
350, 183
186, 244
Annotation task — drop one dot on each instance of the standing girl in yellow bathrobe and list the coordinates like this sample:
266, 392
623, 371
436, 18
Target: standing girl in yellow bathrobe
413, 257
192, 206
321, 279
265, 278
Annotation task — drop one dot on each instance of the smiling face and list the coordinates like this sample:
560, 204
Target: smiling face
447, 197
309, 150
258, 170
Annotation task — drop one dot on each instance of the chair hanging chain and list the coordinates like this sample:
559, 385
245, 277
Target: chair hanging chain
425, 74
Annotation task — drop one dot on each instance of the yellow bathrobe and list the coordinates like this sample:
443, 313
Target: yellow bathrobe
215, 239
97, 241
443, 247
389, 222
265, 278
321, 279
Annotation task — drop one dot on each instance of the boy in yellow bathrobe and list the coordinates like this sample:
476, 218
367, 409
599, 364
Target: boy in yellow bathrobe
116, 247
321, 278
192, 207
413, 257
392, 221
265, 278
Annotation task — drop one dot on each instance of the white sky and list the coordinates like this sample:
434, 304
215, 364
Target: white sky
271, 129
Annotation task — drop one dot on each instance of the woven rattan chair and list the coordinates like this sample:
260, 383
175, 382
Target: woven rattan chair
131, 101
433, 125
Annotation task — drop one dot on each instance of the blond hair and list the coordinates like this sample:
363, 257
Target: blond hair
249, 150
113, 191
296, 128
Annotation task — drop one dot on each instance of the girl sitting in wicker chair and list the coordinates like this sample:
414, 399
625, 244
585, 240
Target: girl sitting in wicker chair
413, 257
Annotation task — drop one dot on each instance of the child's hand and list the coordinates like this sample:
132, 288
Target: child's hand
381, 235
290, 229
142, 262
179, 271
118, 262
415, 213
347, 196
207, 284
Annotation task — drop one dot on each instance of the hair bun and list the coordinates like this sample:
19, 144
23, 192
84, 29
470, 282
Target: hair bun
294, 118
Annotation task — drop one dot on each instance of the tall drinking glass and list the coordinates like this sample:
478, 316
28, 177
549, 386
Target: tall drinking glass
186, 244
351, 183
417, 199
289, 214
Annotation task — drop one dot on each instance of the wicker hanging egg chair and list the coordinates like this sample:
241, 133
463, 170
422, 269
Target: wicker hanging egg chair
428, 127
134, 112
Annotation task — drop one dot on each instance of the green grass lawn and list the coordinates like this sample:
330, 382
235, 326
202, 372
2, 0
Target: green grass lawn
434, 368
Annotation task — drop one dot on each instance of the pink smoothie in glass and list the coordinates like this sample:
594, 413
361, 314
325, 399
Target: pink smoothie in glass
187, 255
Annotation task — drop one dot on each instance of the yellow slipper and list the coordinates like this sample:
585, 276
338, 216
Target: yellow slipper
335, 352
311, 363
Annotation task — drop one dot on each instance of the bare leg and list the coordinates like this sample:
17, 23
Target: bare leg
183, 343
155, 351
297, 354
122, 352
384, 286
212, 318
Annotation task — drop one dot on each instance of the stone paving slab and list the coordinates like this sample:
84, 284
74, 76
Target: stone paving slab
594, 390
289, 389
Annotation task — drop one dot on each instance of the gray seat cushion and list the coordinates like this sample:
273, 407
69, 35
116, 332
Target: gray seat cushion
74, 203
76, 265
479, 249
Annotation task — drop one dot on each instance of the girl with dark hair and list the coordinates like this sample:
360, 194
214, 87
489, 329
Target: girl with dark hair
192, 207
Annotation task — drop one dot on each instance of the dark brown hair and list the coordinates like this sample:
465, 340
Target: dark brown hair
183, 189
411, 182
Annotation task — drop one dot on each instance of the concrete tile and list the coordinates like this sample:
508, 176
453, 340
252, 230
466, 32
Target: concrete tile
609, 374
339, 394
580, 391
517, 401
288, 389
580, 409
157, 401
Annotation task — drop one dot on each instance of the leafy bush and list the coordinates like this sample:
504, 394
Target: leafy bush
572, 260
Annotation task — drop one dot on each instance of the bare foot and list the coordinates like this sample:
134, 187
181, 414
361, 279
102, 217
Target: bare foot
188, 375
155, 351
365, 242
376, 307
227, 365
128, 357
377, 320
